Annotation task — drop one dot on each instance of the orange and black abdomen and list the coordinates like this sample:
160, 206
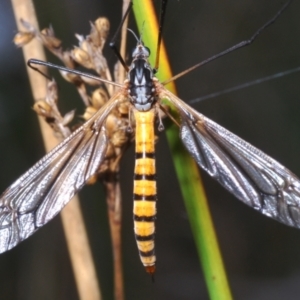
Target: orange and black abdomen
144, 208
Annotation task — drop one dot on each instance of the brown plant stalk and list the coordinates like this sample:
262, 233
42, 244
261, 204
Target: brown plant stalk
112, 186
74, 228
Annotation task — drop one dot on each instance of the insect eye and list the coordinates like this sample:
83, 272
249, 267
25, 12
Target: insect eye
148, 50
134, 52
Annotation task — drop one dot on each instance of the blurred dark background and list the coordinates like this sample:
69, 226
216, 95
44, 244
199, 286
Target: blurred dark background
262, 257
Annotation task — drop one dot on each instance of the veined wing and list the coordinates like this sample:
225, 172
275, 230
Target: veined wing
245, 171
38, 195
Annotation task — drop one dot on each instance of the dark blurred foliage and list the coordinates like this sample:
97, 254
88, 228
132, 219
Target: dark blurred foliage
262, 257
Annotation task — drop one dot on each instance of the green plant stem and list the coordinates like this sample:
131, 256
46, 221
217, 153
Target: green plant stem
187, 171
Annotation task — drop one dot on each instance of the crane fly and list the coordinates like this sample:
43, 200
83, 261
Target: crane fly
252, 176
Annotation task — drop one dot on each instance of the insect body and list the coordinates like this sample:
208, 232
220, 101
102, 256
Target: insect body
143, 97
144, 192
252, 176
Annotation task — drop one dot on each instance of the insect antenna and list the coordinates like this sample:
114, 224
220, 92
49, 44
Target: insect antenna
112, 43
33, 61
233, 48
135, 36
160, 29
245, 85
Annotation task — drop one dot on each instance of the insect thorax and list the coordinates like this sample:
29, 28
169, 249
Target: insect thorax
141, 88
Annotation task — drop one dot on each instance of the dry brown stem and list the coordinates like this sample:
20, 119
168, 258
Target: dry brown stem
112, 185
80, 253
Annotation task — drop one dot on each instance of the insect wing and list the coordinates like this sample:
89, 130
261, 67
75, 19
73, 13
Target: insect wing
245, 171
38, 195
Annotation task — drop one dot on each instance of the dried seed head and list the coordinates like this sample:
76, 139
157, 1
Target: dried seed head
92, 180
123, 108
67, 59
110, 152
111, 124
82, 57
23, 38
104, 166
48, 31
73, 78
95, 37
102, 25
49, 39
99, 98
89, 112
119, 138
85, 46
100, 65
51, 97
68, 117
90, 81
42, 108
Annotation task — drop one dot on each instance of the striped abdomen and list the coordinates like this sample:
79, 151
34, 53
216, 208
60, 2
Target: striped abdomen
144, 207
